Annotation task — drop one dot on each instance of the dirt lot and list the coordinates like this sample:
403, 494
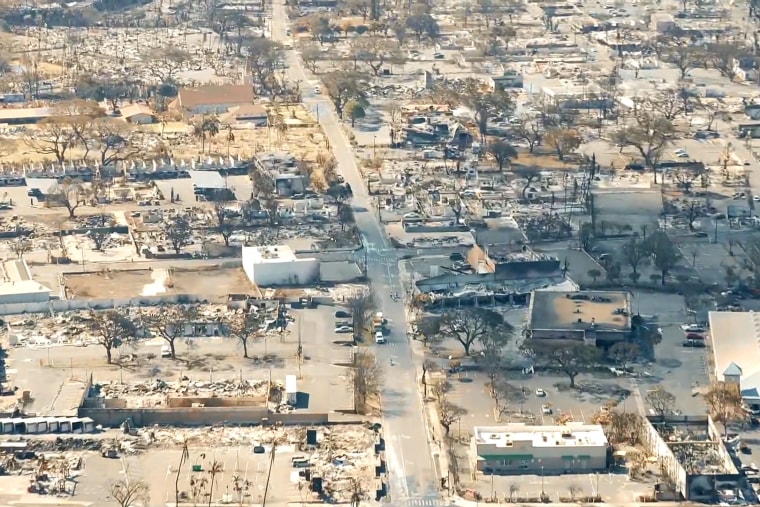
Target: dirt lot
210, 280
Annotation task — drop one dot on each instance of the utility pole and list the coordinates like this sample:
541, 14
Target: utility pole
299, 353
269, 472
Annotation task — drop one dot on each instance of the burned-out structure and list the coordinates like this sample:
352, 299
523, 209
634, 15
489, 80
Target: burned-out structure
691, 453
503, 274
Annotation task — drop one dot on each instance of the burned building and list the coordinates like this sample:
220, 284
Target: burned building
693, 456
504, 274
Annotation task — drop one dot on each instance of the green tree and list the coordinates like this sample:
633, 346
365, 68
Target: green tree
355, 110
665, 254
111, 328
572, 358
502, 152
470, 325
423, 24
343, 87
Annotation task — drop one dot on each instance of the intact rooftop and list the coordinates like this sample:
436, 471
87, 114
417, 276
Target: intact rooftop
559, 310
736, 348
574, 434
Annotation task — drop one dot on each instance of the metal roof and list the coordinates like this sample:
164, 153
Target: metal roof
207, 179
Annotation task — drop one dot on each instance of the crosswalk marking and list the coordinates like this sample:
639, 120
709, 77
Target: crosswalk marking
423, 502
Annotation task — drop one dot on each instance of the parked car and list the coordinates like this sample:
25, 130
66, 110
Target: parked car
694, 336
693, 328
693, 344
546, 410
342, 314
344, 329
540, 392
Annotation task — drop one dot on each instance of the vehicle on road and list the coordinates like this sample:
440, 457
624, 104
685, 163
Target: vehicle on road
379, 337
681, 153
342, 314
344, 329
540, 392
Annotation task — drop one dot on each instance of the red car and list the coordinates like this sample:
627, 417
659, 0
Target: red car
694, 336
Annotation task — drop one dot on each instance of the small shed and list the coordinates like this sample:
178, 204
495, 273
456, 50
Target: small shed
139, 114
207, 180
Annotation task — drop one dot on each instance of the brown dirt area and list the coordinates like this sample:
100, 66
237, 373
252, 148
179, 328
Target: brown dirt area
211, 281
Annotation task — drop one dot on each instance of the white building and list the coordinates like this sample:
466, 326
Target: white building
735, 340
520, 449
278, 265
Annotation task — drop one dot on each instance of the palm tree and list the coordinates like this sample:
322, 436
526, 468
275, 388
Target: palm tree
230, 138
216, 468
200, 133
211, 127
182, 459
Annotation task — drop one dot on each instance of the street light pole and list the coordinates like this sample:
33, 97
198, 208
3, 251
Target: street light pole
542, 482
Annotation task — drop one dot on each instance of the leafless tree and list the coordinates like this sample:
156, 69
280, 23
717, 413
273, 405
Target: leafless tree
448, 414
130, 492
169, 323
245, 326
530, 130
113, 140
165, 63
69, 193
649, 133
20, 246
661, 401
367, 378
361, 307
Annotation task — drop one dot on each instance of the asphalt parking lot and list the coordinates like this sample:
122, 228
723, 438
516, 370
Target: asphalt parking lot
238, 466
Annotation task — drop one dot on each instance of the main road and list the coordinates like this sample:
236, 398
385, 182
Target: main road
413, 480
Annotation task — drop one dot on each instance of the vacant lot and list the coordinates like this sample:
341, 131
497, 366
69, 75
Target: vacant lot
208, 280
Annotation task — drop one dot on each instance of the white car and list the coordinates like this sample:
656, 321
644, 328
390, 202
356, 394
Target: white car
317, 90
344, 329
692, 328
546, 410
682, 154
540, 392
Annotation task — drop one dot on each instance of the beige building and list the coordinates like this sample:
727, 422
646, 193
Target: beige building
212, 99
521, 449
598, 318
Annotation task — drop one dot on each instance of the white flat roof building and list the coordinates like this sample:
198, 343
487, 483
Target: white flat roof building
278, 265
736, 349
519, 448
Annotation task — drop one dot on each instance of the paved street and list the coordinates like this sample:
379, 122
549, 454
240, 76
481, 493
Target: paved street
413, 480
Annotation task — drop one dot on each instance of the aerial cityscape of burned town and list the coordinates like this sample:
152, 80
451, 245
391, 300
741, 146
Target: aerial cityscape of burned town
379, 252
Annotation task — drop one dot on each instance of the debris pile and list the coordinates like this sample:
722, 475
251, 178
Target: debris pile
157, 392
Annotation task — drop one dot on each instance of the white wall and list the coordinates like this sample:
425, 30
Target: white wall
297, 272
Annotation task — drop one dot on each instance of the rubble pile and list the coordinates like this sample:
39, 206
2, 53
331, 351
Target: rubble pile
155, 392
342, 456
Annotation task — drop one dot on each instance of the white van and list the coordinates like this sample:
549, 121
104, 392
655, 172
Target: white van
166, 351
379, 337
